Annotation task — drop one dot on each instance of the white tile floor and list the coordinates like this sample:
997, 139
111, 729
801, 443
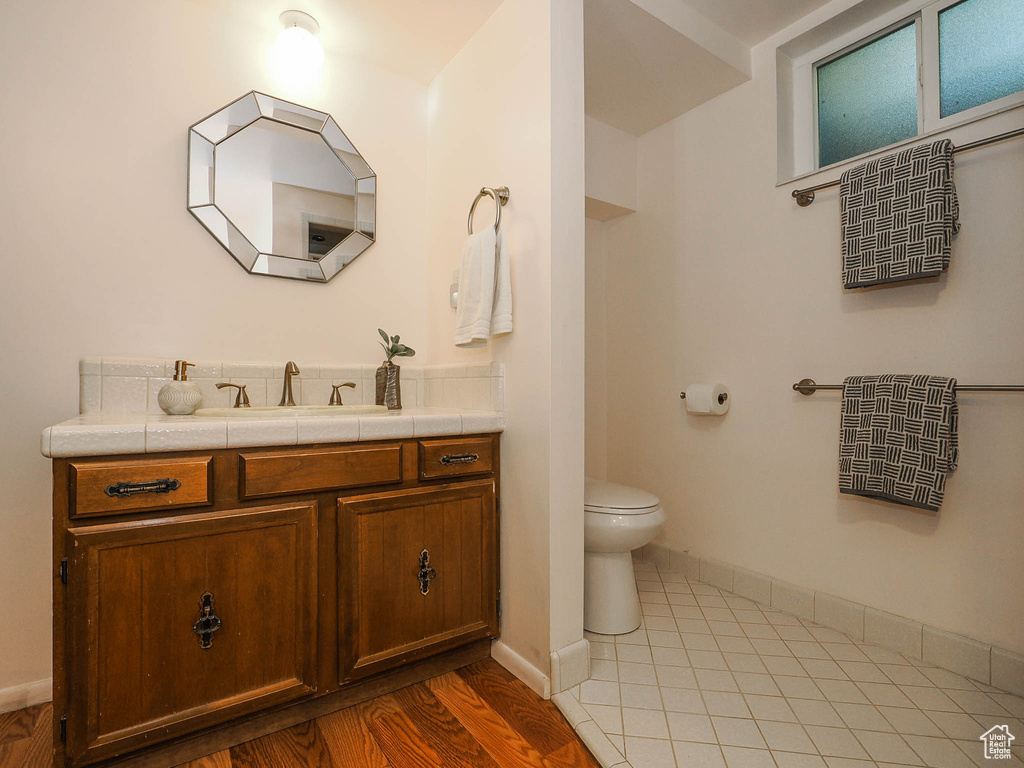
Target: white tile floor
713, 680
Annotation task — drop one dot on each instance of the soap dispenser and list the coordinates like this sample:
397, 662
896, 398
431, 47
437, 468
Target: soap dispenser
180, 397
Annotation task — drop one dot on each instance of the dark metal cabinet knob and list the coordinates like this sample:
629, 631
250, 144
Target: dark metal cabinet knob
208, 622
426, 574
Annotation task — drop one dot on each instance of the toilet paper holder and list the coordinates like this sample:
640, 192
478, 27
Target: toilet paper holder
721, 398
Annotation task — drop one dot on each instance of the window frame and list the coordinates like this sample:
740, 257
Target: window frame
914, 19
925, 15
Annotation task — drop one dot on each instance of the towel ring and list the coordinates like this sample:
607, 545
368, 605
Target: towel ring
500, 195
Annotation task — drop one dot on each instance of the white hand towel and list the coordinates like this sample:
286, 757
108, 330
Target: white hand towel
485, 289
501, 313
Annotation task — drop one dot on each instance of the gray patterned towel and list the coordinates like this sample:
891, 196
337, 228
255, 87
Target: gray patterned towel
897, 440
899, 214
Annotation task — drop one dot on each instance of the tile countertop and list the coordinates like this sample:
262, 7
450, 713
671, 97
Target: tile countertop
99, 434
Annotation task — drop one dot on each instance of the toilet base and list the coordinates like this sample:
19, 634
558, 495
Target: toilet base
611, 605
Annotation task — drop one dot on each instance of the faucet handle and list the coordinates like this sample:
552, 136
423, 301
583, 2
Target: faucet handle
241, 399
336, 394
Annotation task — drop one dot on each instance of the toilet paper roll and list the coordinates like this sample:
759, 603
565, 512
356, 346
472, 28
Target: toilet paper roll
708, 399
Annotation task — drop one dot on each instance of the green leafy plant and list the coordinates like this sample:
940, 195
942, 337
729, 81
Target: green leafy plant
392, 347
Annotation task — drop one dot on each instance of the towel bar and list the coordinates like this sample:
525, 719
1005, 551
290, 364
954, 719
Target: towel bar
500, 195
805, 197
808, 387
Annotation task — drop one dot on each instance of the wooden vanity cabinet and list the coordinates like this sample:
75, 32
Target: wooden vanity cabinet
280, 583
180, 624
417, 573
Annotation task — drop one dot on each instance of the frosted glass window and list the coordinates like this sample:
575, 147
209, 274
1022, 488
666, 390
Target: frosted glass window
868, 98
981, 53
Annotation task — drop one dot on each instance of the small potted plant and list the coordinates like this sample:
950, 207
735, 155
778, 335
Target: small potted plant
389, 375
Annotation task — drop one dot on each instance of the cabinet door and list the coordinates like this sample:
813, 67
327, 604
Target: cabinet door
183, 623
418, 574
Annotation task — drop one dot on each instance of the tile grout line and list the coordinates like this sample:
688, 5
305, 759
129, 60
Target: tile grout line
842, 655
699, 564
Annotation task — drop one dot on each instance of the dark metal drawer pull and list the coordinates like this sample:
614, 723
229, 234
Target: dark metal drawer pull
426, 574
122, 490
458, 458
208, 622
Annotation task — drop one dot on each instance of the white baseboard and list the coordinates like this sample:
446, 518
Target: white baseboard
537, 681
27, 695
570, 666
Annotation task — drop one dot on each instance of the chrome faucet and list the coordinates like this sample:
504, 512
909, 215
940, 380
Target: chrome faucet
291, 369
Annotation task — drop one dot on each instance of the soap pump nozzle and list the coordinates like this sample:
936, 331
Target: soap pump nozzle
181, 370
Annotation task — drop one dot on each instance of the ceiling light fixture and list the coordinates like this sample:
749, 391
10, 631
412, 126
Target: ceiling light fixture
298, 51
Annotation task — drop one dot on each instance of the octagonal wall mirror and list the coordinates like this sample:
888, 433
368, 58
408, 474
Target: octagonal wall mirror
282, 188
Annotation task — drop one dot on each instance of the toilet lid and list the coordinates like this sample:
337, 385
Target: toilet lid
615, 499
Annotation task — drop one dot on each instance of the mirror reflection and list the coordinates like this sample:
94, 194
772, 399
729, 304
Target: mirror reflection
282, 188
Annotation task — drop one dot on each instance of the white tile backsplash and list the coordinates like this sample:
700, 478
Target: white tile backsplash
153, 387
90, 366
89, 393
341, 373
204, 370
124, 393
126, 366
131, 385
255, 390
249, 370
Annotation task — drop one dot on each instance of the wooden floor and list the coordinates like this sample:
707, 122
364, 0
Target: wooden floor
477, 716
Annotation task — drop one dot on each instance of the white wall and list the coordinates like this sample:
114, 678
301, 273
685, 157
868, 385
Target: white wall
101, 257
502, 113
568, 324
596, 442
611, 166
720, 276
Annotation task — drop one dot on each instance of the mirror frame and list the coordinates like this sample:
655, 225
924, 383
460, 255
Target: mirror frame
203, 138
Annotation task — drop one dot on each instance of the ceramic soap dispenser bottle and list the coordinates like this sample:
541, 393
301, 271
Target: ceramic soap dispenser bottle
180, 397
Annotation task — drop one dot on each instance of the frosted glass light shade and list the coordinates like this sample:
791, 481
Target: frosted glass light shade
298, 51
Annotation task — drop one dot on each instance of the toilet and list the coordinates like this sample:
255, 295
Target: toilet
616, 520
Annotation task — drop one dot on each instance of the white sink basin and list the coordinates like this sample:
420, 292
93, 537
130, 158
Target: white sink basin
290, 411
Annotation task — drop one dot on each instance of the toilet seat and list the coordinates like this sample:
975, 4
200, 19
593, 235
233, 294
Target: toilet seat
602, 497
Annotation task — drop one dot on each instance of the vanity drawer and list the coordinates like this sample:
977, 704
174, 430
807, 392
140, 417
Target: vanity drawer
317, 469
99, 488
452, 458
